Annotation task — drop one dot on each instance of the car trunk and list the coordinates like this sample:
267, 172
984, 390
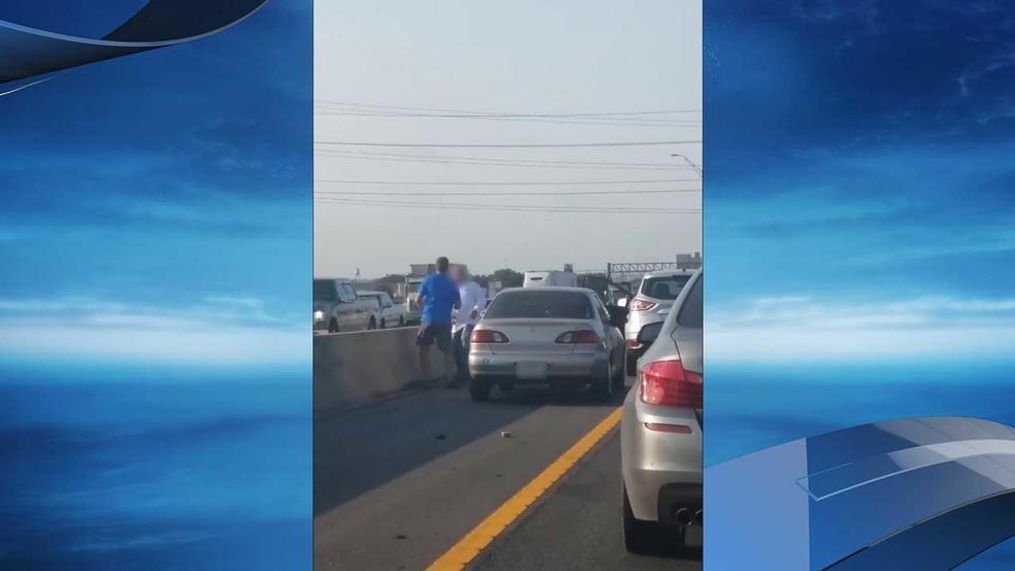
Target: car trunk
531, 336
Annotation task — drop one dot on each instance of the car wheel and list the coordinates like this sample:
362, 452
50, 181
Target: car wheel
479, 389
384, 324
333, 325
602, 387
401, 321
618, 376
642, 537
372, 324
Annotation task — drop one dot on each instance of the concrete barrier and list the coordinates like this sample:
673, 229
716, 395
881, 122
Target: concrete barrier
355, 368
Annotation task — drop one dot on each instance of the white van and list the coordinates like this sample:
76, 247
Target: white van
554, 278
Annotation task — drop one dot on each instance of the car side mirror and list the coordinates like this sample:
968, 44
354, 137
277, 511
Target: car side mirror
649, 333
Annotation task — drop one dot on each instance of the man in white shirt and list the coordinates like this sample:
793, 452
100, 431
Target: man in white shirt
473, 303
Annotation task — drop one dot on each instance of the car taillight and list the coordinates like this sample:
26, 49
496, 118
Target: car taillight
638, 304
488, 336
579, 336
666, 383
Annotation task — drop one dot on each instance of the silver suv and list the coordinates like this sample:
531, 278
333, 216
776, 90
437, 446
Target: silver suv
653, 299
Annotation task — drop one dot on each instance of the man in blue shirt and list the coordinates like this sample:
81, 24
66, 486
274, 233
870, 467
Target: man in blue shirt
438, 297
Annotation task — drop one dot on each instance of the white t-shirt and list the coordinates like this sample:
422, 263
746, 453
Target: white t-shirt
473, 298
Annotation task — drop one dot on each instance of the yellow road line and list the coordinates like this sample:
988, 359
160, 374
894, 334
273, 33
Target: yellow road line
474, 542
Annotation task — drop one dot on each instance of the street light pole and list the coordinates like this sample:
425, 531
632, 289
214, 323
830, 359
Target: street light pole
696, 168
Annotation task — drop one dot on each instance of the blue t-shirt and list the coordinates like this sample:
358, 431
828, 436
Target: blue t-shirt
440, 296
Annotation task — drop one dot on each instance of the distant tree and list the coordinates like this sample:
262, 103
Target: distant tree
507, 277
388, 283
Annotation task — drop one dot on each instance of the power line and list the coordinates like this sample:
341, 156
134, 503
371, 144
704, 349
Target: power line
504, 183
501, 114
605, 118
507, 145
509, 194
511, 207
603, 121
647, 118
486, 161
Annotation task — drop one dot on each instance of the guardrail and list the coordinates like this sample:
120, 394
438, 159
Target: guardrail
351, 369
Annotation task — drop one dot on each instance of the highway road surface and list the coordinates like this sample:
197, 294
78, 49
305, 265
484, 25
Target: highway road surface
400, 484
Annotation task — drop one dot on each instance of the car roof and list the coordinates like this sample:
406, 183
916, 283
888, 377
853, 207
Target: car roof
371, 292
584, 290
326, 279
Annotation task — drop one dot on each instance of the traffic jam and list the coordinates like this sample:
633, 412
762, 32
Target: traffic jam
568, 333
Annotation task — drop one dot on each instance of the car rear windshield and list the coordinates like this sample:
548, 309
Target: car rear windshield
544, 303
663, 287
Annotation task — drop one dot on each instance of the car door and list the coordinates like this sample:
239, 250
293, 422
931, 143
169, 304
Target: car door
373, 305
362, 308
376, 308
393, 311
611, 335
386, 308
616, 334
347, 310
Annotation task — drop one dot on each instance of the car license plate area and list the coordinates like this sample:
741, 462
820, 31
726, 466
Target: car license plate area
530, 370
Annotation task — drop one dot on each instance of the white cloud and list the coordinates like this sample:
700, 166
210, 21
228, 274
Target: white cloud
218, 330
212, 311
223, 346
801, 329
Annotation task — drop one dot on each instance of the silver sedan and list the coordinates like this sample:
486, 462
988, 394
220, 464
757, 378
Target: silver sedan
548, 336
661, 429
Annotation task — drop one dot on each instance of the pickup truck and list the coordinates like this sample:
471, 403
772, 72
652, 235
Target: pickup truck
337, 307
411, 303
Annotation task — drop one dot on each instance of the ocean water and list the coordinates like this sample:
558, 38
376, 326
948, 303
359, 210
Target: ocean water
751, 408
151, 469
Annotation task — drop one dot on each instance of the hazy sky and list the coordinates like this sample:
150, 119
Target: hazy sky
520, 57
